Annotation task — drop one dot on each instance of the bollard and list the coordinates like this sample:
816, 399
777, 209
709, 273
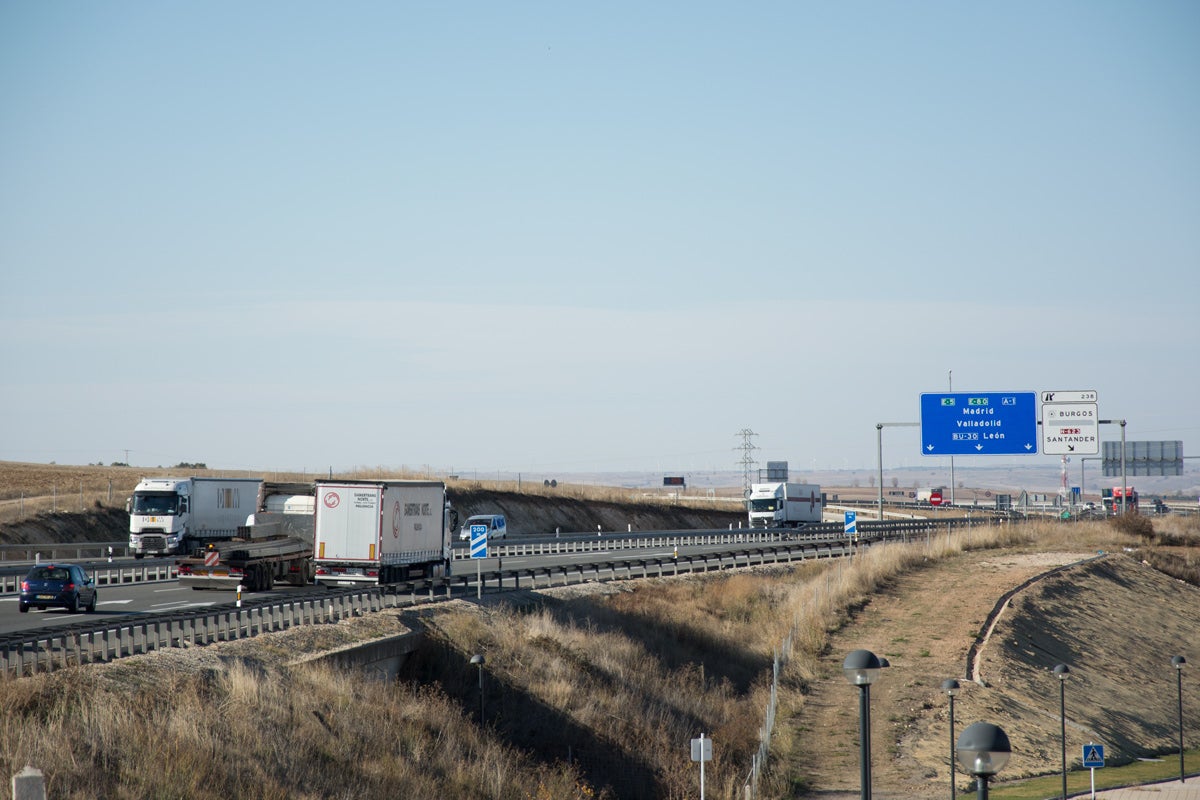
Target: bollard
29, 784
110, 554
240, 589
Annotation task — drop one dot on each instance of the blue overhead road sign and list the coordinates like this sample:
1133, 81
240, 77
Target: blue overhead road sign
979, 424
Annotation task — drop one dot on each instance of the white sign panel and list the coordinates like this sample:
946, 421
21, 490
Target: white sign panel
1070, 423
1069, 397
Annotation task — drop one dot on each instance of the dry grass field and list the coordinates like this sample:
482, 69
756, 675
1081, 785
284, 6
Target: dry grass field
30, 489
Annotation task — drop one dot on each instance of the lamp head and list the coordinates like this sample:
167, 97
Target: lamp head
861, 667
983, 749
1062, 671
950, 686
477, 659
1178, 661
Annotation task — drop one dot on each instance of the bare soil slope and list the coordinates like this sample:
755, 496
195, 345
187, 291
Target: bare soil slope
1115, 622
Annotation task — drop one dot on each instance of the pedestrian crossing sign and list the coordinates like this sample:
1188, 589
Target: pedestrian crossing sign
1093, 756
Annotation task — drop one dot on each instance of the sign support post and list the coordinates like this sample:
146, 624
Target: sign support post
702, 751
1093, 757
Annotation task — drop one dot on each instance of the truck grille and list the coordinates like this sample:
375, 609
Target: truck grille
154, 542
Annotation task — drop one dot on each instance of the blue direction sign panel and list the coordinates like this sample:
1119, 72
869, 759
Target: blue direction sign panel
1093, 756
851, 524
979, 424
479, 541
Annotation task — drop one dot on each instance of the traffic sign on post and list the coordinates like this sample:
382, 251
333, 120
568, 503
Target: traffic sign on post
979, 424
1070, 423
1093, 756
479, 541
935, 498
851, 524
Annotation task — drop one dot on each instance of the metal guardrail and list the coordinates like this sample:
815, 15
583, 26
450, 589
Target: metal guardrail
51, 551
106, 575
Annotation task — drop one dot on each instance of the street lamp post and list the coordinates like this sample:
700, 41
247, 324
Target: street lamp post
950, 687
861, 668
1178, 662
478, 660
1061, 672
983, 750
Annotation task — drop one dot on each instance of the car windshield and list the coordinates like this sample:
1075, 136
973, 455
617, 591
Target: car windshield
155, 504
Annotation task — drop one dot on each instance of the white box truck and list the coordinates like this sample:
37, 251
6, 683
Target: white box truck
785, 505
370, 532
168, 516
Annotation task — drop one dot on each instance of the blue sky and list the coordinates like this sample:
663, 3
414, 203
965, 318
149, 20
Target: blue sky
549, 237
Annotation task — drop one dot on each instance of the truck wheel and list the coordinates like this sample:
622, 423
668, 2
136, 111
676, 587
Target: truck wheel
139, 556
268, 578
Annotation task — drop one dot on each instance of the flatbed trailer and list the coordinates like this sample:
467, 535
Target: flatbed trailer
256, 565
274, 546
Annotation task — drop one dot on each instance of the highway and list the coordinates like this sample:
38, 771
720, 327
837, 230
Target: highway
142, 607
121, 598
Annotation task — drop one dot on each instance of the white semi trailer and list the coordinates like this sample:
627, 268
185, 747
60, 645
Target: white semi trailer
168, 516
785, 505
370, 532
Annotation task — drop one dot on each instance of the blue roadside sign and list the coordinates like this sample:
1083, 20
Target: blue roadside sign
851, 524
979, 424
479, 541
1093, 756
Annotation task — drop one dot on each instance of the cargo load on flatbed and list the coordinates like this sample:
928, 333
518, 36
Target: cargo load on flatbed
274, 546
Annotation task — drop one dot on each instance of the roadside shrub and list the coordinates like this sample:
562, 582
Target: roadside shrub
1135, 525
1184, 567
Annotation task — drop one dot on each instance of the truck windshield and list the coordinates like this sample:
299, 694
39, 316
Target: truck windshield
155, 504
769, 504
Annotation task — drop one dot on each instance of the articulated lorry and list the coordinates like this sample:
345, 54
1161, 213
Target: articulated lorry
371, 532
169, 516
275, 545
785, 505
1112, 500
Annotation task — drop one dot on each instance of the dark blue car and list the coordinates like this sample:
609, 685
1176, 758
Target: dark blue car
59, 585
